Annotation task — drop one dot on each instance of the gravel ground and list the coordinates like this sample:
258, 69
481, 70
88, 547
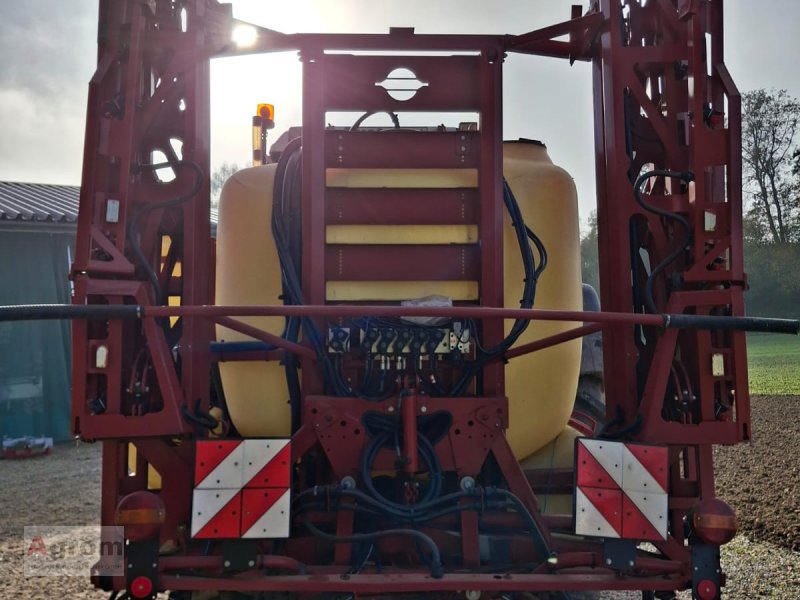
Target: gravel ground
761, 480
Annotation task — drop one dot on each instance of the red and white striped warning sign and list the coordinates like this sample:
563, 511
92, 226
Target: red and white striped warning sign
241, 489
621, 490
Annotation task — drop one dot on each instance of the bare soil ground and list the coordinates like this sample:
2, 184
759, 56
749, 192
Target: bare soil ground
761, 480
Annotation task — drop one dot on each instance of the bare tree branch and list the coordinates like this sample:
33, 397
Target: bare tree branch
771, 162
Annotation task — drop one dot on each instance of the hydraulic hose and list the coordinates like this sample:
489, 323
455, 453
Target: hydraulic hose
286, 196
416, 513
428, 455
393, 116
532, 272
759, 324
221, 348
437, 570
441, 507
685, 176
538, 539
177, 201
51, 312
477, 506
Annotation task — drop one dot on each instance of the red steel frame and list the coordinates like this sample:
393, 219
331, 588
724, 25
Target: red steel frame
662, 97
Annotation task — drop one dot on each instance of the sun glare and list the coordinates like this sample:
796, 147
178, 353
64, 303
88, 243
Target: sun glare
244, 35
238, 86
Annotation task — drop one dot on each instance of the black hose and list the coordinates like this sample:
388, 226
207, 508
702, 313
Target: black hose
791, 326
199, 418
536, 535
46, 312
540, 249
685, 176
437, 570
177, 201
377, 509
286, 192
618, 429
412, 513
367, 115
532, 273
477, 506
281, 230
428, 455
291, 364
431, 511
222, 348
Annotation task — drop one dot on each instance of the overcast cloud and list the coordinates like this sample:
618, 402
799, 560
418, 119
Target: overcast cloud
48, 53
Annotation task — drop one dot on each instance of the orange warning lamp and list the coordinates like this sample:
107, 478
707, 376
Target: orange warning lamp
267, 114
263, 120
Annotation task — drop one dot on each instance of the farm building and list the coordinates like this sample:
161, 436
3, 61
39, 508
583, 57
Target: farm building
37, 239
37, 235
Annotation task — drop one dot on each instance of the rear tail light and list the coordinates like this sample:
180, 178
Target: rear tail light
713, 521
141, 513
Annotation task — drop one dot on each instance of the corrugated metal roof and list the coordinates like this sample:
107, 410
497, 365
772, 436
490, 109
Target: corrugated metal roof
44, 202
38, 202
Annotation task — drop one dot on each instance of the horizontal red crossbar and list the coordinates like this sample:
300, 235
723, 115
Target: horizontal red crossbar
404, 206
422, 581
420, 262
467, 312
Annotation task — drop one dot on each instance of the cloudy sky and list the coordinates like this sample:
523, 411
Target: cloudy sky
47, 55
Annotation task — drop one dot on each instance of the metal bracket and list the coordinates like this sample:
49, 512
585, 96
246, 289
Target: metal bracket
239, 555
619, 554
706, 571
141, 571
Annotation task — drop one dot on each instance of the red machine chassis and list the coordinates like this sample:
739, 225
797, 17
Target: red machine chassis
662, 97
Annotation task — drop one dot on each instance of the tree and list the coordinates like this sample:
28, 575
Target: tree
590, 262
770, 121
773, 286
218, 179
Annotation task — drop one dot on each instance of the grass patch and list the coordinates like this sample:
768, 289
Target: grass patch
773, 362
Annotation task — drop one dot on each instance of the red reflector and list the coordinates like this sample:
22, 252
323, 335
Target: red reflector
141, 587
707, 590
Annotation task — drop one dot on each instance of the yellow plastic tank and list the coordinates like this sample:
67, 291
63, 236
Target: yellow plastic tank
248, 272
540, 387
558, 454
